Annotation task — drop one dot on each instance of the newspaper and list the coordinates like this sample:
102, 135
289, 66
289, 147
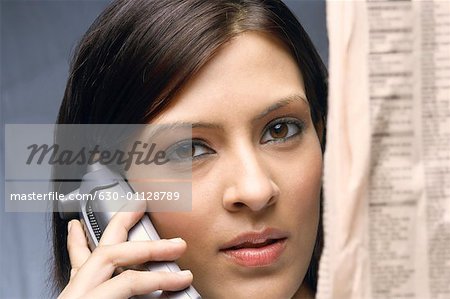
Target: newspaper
387, 164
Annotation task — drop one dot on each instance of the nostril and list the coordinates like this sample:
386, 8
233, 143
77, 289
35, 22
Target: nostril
239, 204
253, 192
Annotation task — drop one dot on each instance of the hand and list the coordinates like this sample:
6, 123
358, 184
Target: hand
91, 274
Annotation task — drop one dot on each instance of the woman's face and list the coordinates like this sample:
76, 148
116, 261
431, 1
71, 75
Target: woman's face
256, 173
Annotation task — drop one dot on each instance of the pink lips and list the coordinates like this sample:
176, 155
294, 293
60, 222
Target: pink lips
256, 249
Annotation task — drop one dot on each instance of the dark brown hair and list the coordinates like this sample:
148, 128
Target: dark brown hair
139, 53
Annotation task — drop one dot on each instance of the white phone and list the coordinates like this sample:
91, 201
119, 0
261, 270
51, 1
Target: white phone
95, 214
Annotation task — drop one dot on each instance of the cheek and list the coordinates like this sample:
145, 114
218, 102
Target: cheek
299, 175
302, 204
300, 184
180, 224
191, 225
196, 228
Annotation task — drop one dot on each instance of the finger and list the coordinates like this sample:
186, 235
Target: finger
131, 283
117, 229
77, 245
104, 260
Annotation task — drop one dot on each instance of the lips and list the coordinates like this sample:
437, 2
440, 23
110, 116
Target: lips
256, 249
257, 244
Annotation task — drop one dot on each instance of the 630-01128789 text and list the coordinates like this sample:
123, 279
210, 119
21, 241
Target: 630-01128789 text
105, 195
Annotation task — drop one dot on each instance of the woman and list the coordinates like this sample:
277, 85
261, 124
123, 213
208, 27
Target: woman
247, 75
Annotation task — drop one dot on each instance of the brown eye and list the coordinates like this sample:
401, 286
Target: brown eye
279, 130
185, 151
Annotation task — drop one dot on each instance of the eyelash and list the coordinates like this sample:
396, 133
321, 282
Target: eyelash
190, 143
288, 121
198, 142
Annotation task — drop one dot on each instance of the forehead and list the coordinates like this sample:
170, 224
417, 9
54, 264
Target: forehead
251, 72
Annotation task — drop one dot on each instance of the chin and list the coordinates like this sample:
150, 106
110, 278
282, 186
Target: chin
273, 292
268, 288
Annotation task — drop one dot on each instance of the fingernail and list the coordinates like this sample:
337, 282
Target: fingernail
185, 273
176, 240
69, 225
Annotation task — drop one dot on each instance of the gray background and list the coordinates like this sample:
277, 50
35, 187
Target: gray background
37, 40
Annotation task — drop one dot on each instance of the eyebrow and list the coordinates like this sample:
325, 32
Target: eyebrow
160, 128
280, 104
157, 129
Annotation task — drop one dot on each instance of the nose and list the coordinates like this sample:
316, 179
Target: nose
250, 184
